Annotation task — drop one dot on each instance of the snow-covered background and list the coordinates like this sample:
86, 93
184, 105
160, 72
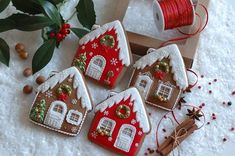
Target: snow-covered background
214, 60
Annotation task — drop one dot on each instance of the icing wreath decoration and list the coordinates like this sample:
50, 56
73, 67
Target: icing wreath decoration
44, 15
161, 69
63, 92
107, 41
123, 111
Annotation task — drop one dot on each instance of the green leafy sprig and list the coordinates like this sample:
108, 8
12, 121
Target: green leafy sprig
44, 15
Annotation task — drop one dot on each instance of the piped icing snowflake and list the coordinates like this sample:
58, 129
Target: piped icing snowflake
91, 53
94, 134
113, 61
106, 113
140, 133
74, 129
74, 101
133, 121
94, 45
49, 94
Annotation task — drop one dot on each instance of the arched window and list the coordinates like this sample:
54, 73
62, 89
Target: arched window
98, 62
143, 83
58, 108
107, 125
128, 132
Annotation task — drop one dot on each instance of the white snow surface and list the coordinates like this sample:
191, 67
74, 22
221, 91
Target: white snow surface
215, 60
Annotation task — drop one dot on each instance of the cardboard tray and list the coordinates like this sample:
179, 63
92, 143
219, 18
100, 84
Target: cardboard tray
140, 43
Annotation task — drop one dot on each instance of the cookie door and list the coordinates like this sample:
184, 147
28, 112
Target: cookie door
96, 67
125, 137
143, 84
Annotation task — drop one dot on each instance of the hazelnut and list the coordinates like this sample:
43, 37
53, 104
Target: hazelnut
23, 55
27, 72
19, 47
27, 89
40, 80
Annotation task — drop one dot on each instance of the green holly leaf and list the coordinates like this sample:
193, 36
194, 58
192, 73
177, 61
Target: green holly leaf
79, 32
43, 55
4, 4
51, 11
4, 52
86, 13
27, 6
25, 22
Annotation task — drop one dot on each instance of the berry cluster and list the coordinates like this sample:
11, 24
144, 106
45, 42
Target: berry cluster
64, 31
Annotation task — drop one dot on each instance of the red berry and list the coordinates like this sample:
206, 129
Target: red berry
213, 118
232, 129
65, 26
233, 93
52, 35
67, 31
210, 91
63, 31
213, 114
203, 104
224, 139
209, 83
208, 123
202, 76
199, 87
215, 80
200, 107
164, 130
59, 37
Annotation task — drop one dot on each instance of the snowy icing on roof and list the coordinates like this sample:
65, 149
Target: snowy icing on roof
138, 106
124, 54
78, 83
176, 62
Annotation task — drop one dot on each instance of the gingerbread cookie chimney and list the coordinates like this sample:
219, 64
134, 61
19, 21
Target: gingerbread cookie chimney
104, 54
62, 103
160, 76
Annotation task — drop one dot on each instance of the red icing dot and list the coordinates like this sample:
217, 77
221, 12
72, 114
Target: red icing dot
233, 93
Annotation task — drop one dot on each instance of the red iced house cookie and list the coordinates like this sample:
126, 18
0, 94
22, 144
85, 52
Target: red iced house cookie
104, 54
121, 123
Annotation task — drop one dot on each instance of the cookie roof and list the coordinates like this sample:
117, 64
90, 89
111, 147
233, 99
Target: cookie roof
138, 106
124, 54
78, 83
176, 62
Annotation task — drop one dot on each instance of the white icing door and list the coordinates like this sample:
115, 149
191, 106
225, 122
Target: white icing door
125, 137
96, 67
56, 114
143, 84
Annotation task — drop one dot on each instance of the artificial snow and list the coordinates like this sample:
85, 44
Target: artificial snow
215, 59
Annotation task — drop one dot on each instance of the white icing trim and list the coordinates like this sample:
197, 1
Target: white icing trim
176, 62
124, 138
71, 121
90, 72
139, 108
123, 45
78, 83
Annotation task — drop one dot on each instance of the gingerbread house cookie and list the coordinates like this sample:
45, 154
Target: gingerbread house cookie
160, 76
121, 123
104, 54
62, 102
